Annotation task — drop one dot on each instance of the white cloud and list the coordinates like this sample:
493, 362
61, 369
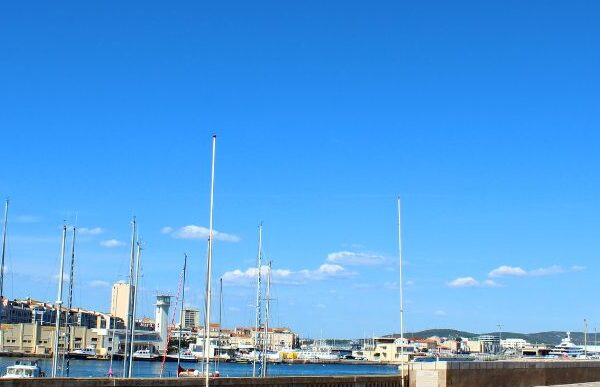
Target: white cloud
491, 283
504, 271
56, 277
321, 306
463, 282
166, 230
98, 284
90, 231
26, 219
352, 258
439, 313
112, 243
286, 276
555, 269
198, 232
577, 268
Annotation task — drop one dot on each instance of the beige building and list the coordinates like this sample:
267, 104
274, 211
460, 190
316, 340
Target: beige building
119, 301
191, 318
39, 339
386, 349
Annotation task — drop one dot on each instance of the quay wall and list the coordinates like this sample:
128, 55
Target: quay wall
297, 381
503, 373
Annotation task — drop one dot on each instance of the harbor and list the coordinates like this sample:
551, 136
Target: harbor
263, 193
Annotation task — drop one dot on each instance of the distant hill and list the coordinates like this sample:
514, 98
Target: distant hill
549, 338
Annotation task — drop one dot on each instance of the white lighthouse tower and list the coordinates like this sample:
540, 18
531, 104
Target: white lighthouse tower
163, 302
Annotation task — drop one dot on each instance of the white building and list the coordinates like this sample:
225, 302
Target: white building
514, 343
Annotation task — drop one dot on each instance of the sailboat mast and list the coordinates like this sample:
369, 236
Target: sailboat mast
135, 290
181, 314
402, 363
129, 299
220, 318
4, 229
258, 306
209, 265
266, 334
70, 302
59, 302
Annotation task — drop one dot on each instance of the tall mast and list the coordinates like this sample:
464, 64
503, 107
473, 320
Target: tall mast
220, 317
258, 306
130, 299
59, 302
135, 290
70, 303
4, 228
266, 334
2, 272
402, 363
209, 266
181, 314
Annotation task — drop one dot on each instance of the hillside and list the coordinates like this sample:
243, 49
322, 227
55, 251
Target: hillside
549, 338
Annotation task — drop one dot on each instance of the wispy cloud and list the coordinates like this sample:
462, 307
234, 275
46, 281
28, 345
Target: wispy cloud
463, 282
286, 276
515, 271
440, 313
510, 271
504, 271
112, 243
98, 284
490, 283
26, 219
90, 231
198, 232
353, 258
321, 306
166, 230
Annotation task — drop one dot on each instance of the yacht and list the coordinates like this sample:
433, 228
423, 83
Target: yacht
183, 356
566, 349
85, 353
24, 368
318, 351
144, 354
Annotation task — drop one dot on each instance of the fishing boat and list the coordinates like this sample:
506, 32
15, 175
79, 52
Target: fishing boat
24, 368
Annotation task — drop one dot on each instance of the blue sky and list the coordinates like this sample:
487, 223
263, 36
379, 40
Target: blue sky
483, 116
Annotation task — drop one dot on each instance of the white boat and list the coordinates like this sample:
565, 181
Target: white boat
566, 349
183, 356
85, 353
144, 354
24, 369
318, 352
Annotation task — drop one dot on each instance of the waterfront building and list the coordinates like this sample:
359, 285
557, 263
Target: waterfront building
191, 318
119, 301
514, 343
386, 349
